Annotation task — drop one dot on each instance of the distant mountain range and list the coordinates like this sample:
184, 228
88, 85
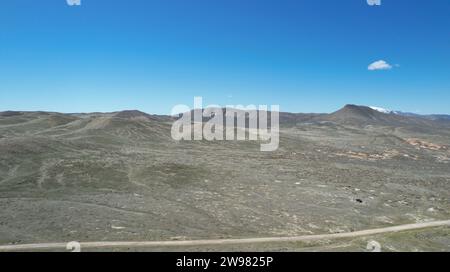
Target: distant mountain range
427, 116
353, 115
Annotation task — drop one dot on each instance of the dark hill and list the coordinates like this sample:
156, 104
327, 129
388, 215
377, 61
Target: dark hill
362, 116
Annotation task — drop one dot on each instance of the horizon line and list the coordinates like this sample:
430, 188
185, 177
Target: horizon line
168, 114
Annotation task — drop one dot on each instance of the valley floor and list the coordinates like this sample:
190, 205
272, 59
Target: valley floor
65, 178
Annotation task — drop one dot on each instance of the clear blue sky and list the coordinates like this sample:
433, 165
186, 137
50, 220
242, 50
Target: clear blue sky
305, 55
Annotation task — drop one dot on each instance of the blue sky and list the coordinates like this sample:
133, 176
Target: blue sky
305, 55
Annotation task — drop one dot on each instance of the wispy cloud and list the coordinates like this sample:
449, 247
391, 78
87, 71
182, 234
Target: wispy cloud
380, 65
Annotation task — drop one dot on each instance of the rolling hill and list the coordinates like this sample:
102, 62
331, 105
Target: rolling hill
120, 176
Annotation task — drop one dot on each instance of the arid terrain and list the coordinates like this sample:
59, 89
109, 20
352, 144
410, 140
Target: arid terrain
121, 177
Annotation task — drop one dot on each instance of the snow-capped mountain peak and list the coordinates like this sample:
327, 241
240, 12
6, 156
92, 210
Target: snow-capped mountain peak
382, 110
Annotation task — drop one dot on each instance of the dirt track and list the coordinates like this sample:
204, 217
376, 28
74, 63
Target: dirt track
143, 244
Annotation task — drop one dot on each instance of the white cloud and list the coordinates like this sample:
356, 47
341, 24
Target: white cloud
374, 2
380, 65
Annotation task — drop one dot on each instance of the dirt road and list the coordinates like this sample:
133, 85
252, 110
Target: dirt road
148, 244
